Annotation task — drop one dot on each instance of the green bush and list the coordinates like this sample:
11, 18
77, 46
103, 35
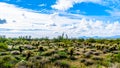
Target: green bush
24, 64
3, 46
7, 61
117, 58
62, 64
62, 54
47, 53
6, 65
106, 62
54, 57
65, 64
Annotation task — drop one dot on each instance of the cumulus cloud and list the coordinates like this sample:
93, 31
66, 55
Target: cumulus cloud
63, 4
67, 4
114, 12
114, 5
28, 22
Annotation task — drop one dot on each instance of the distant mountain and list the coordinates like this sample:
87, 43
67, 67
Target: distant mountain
116, 36
97, 37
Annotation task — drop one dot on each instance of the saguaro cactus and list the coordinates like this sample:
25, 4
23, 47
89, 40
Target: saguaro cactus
20, 49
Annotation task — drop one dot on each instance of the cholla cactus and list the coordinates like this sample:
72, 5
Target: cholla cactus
28, 55
71, 51
13, 46
40, 48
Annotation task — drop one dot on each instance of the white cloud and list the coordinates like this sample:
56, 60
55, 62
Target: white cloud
114, 12
42, 5
63, 4
66, 4
26, 22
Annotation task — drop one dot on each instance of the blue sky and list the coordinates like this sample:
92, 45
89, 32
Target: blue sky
53, 17
85, 8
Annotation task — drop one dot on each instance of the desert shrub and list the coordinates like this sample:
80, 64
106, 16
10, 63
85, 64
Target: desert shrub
105, 50
87, 55
15, 52
118, 47
4, 53
82, 60
7, 61
35, 44
62, 64
54, 57
5, 64
115, 65
88, 62
62, 54
17, 57
3, 46
9, 58
2, 50
40, 48
77, 53
38, 57
26, 42
24, 64
115, 52
42, 63
97, 58
116, 58
27, 53
48, 53
29, 47
3, 39
24, 54
73, 58
96, 53
106, 62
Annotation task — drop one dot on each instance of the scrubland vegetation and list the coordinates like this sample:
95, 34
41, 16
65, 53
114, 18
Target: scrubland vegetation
60, 52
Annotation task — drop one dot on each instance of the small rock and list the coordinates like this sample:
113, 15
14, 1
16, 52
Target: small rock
28, 47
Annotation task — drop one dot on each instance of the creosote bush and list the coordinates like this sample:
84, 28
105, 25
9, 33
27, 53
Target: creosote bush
62, 54
62, 64
7, 61
3, 46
